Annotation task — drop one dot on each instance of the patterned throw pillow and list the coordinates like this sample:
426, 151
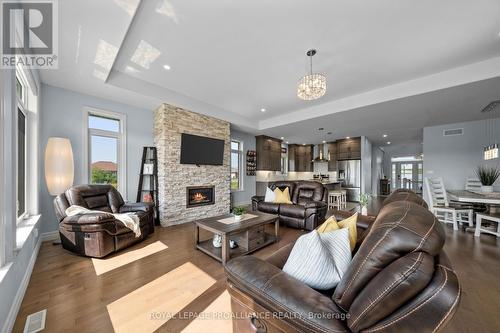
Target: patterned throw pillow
350, 223
320, 260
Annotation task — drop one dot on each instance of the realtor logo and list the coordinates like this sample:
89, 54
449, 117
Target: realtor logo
29, 34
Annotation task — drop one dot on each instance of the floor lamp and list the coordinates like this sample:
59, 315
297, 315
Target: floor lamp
59, 166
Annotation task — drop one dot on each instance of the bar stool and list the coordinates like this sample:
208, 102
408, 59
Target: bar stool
343, 198
334, 199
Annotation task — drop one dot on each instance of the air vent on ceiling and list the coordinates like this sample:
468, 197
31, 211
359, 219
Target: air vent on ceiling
35, 322
453, 132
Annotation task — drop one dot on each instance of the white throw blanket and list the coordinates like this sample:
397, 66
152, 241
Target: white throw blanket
130, 220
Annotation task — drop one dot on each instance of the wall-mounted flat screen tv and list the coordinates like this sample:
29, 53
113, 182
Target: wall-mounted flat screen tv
201, 150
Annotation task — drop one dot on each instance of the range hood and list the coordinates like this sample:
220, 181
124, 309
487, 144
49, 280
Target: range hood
321, 153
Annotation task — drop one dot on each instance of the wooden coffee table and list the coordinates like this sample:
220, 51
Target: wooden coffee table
250, 235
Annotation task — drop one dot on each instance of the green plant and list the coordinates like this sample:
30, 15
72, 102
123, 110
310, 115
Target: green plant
239, 210
487, 175
363, 199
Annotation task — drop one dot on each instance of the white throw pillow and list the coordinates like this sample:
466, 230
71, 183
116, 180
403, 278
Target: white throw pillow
320, 260
270, 196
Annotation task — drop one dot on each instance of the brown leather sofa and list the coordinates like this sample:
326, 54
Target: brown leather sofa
308, 208
399, 280
99, 234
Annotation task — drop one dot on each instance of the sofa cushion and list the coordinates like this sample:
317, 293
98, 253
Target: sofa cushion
320, 260
291, 210
306, 191
270, 196
268, 207
401, 228
282, 196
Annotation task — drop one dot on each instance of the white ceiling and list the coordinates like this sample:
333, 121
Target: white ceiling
229, 59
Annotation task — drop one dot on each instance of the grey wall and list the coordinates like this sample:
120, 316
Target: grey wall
377, 169
456, 157
62, 116
245, 196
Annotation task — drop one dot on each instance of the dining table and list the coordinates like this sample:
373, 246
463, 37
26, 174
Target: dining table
474, 197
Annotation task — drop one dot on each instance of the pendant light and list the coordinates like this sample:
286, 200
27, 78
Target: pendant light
313, 85
491, 150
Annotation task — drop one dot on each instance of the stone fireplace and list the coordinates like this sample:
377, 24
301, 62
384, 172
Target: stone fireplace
175, 179
199, 196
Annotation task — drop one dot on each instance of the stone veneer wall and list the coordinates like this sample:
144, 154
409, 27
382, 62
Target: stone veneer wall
173, 178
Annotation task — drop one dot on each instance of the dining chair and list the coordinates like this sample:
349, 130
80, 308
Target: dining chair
445, 211
473, 184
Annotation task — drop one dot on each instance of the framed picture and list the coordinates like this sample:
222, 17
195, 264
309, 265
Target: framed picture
148, 169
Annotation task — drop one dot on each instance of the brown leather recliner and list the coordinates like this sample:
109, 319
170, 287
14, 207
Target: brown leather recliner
308, 208
99, 234
399, 280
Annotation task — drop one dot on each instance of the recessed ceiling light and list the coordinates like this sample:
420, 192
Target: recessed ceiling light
324, 141
287, 142
262, 110
166, 67
388, 142
303, 144
347, 137
282, 138
384, 136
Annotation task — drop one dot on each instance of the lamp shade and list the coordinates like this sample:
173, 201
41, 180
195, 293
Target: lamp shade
59, 167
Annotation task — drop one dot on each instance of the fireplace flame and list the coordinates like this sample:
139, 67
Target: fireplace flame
197, 197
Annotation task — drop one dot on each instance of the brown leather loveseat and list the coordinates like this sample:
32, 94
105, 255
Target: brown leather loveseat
99, 234
308, 208
399, 280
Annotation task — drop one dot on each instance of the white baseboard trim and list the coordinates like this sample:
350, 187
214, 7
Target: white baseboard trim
50, 236
16, 305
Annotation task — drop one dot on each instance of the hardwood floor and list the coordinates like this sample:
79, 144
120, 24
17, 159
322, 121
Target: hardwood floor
158, 284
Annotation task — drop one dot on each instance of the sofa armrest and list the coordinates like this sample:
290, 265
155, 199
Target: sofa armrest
315, 204
91, 218
284, 295
280, 257
137, 207
257, 198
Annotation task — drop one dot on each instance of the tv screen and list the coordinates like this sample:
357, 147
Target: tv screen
201, 150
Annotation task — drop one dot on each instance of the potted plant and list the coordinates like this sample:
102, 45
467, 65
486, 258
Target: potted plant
363, 202
238, 213
487, 176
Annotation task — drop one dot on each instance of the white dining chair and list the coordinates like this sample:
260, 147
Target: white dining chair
445, 212
473, 184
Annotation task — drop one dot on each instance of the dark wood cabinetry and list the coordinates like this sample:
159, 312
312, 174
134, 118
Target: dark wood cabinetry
349, 149
300, 158
268, 153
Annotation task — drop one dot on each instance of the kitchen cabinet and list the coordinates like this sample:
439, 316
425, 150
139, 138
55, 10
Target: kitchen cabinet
349, 149
332, 152
268, 153
300, 158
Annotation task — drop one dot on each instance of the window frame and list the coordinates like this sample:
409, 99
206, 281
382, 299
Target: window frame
121, 137
22, 106
239, 151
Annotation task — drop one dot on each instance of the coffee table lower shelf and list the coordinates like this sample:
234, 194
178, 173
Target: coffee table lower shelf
207, 247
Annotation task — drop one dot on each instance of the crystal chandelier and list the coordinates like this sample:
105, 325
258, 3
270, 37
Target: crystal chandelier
312, 86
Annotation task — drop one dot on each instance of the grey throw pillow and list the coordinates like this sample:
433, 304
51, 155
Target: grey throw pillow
320, 260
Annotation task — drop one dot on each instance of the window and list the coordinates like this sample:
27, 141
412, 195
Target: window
21, 149
105, 155
236, 165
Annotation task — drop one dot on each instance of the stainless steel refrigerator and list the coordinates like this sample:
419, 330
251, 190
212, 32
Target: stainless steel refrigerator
349, 173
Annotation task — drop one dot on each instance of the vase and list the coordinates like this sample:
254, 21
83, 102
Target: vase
238, 217
364, 211
486, 189
217, 241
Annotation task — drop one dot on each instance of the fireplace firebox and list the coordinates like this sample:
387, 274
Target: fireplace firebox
200, 196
